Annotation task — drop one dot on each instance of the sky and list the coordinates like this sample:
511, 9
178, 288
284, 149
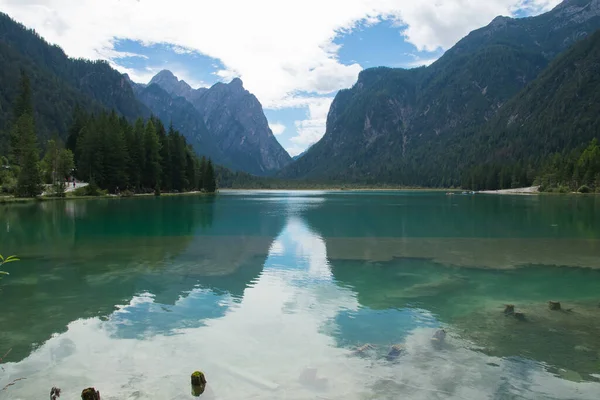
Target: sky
294, 55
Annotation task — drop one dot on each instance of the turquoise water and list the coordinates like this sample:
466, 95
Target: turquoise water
271, 293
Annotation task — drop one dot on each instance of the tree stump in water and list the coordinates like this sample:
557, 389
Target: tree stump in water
554, 305
54, 393
509, 309
198, 383
90, 394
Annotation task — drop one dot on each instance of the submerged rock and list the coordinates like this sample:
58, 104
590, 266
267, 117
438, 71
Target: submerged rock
554, 305
363, 349
439, 337
395, 352
559, 339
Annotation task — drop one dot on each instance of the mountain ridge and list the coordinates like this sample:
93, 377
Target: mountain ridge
390, 125
234, 120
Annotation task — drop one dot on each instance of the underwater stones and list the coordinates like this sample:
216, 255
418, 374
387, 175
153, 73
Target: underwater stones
439, 335
554, 305
363, 349
438, 339
509, 310
198, 383
90, 394
395, 352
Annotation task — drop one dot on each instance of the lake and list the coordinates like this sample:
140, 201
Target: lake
272, 294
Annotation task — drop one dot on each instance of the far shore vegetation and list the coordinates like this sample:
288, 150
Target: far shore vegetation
105, 150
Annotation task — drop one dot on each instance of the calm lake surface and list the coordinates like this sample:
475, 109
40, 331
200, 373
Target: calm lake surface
271, 293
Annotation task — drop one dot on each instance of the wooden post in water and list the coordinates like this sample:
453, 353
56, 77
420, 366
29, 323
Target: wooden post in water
90, 394
554, 305
198, 383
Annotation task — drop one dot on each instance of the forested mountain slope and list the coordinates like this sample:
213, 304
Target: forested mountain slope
60, 82
397, 125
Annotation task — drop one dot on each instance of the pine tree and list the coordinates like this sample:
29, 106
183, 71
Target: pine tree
23, 106
202, 169
165, 156
178, 161
209, 179
80, 119
152, 172
29, 179
115, 158
137, 153
91, 152
24, 142
24, 101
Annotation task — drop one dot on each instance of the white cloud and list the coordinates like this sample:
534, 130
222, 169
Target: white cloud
278, 48
311, 129
144, 75
284, 51
277, 128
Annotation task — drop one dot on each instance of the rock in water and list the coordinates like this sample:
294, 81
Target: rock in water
554, 305
198, 383
395, 352
438, 338
509, 309
363, 349
90, 394
520, 316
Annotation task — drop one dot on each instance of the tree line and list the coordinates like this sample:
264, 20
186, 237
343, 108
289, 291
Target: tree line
103, 149
569, 171
142, 157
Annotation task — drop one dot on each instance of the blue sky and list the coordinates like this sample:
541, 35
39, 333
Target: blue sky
293, 55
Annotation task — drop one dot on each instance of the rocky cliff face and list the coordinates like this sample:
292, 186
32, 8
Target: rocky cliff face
234, 129
235, 118
394, 124
182, 115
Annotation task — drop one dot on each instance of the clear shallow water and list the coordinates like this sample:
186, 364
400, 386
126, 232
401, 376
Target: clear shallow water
270, 293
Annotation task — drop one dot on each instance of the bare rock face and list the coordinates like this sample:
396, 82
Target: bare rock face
235, 117
237, 128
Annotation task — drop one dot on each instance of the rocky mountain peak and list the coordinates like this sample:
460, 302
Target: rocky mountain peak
171, 84
237, 84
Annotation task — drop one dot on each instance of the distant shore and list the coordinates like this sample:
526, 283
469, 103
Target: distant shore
20, 200
525, 190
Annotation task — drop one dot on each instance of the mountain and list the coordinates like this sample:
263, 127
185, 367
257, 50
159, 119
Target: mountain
235, 124
172, 85
557, 111
177, 111
397, 125
60, 82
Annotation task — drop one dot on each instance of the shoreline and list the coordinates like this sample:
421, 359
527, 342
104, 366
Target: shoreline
531, 190
21, 200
